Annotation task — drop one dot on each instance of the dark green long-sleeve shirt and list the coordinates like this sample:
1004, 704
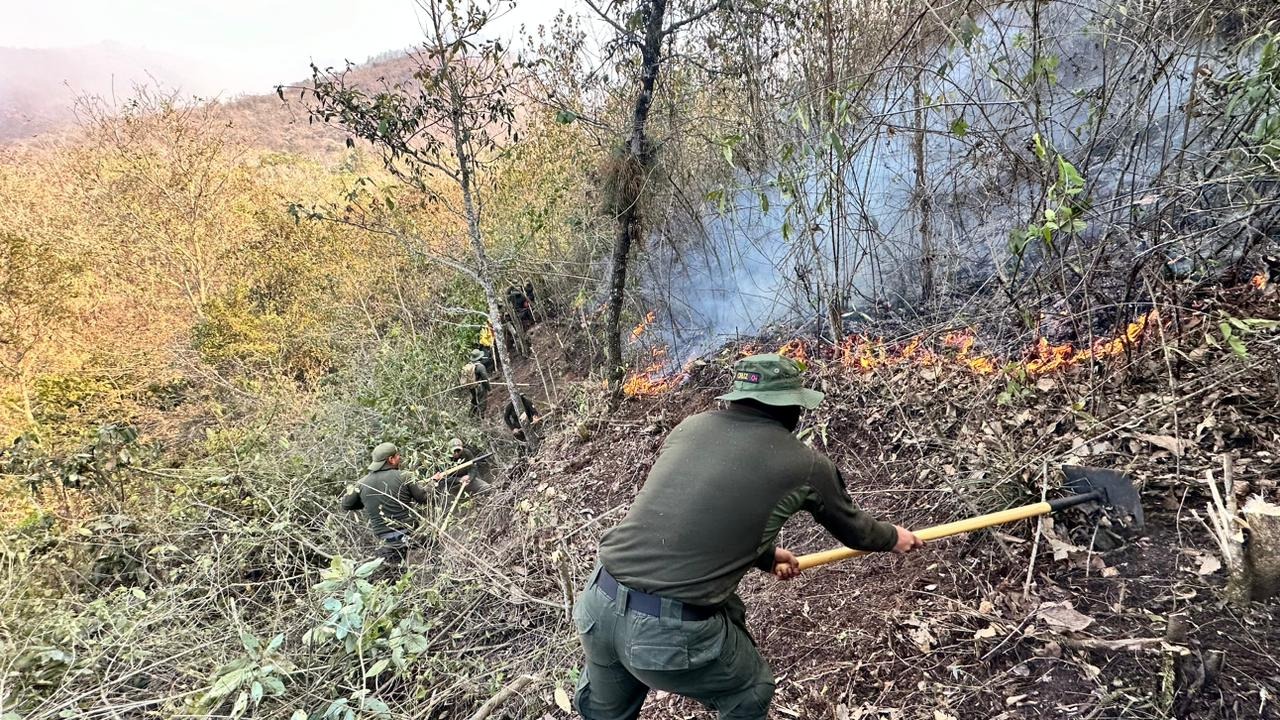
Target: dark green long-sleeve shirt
724, 483
384, 496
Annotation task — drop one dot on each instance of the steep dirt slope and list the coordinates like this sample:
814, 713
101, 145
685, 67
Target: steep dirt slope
958, 630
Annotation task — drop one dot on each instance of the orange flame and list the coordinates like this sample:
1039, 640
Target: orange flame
639, 330
866, 354
1048, 358
1259, 281
796, 350
656, 378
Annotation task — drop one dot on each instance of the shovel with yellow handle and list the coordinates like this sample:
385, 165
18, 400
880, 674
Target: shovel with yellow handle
1114, 492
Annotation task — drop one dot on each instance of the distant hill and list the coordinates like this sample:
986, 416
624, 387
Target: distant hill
38, 87
266, 122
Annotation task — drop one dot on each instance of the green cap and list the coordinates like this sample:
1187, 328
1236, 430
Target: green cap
381, 454
455, 444
773, 380
477, 354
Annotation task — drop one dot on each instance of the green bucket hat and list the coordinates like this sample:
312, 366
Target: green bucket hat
773, 380
477, 354
381, 454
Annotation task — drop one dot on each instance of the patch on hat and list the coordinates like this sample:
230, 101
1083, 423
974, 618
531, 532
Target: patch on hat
748, 377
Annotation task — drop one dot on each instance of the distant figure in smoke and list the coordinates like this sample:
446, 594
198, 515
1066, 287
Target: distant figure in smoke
527, 416
662, 610
385, 495
475, 378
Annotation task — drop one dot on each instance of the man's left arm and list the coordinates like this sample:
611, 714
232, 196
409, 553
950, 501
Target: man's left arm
832, 507
416, 492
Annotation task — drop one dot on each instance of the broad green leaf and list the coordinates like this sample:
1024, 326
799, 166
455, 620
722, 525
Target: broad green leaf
377, 668
367, 569
275, 643
1038, 145
226, 683
242, 702
376, 706
255, 692
1237, 346
959, 127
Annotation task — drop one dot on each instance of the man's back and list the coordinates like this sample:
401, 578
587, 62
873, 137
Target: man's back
714, 501
385, 496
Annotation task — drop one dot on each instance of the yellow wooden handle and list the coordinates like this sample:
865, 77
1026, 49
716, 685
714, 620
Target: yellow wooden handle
462, 465
937, 531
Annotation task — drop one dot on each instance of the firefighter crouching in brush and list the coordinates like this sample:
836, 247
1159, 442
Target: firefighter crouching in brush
470, 480
661, 610
385, 495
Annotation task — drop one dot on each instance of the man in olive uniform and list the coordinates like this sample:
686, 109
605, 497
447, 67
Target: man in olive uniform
661, 610
384, 495
469, 479
475, 378
527, 415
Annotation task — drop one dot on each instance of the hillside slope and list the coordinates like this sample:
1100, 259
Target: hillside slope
973, 627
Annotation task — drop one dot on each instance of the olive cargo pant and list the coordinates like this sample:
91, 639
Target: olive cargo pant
713, 661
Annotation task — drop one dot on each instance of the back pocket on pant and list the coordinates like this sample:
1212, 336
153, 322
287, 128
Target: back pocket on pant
691, 644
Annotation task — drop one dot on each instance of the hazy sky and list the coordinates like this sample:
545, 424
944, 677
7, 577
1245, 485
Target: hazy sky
236, 45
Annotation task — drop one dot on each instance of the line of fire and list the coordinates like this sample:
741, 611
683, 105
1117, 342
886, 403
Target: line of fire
956, 350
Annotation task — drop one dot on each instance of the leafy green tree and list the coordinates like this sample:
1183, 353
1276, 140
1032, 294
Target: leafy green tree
451, 119
36, 287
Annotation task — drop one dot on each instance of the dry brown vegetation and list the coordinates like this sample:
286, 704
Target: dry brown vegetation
1005, 237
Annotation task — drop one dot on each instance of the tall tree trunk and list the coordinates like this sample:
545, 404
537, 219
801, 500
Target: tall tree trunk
923, 202
835, 166
637, 158
484, 274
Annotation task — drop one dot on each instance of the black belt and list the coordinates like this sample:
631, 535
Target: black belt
651, 605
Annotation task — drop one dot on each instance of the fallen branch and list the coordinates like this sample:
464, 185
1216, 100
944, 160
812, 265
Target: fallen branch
1147, 646
513, 688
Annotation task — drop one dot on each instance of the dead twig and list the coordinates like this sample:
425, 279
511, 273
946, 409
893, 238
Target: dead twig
1147, 646
503, 695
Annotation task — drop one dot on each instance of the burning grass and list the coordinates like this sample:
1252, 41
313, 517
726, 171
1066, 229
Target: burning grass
657, 377
866, 354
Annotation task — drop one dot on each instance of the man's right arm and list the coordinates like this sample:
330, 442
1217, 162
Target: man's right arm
351, 500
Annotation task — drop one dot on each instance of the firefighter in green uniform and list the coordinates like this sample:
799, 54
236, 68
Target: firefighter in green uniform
384, 495
469, 479
475, 378
661, 610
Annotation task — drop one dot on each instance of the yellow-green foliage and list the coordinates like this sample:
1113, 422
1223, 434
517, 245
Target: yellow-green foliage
194, 373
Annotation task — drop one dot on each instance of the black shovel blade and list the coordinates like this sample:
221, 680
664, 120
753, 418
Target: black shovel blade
1120, 497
